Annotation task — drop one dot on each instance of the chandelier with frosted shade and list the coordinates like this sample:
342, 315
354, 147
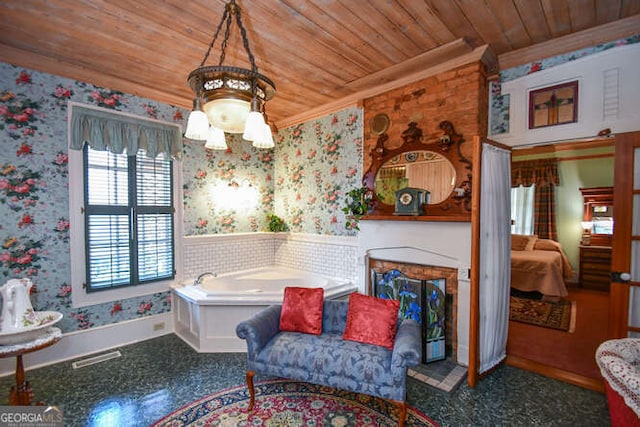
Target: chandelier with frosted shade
229, 99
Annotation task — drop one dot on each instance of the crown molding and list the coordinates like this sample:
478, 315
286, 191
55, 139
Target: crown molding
482, 53
586, 38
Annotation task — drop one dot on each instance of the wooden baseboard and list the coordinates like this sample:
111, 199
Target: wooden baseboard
555, 373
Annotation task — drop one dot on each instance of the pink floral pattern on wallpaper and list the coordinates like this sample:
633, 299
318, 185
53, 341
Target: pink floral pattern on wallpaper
226, 191
34, 198
304, 180
18, 114
317, 164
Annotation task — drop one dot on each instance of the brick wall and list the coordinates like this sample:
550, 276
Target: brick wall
459, 95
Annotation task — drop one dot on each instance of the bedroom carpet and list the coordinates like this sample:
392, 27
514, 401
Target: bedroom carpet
559, 315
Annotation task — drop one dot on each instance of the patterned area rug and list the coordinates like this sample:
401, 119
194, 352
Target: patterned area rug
283, 403
555, 315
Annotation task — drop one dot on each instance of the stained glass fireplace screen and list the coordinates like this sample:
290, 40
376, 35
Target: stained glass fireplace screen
421, 300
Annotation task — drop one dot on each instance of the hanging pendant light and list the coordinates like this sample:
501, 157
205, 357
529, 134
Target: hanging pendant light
229, 94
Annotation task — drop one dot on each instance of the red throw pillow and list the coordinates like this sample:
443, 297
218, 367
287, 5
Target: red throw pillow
372, 320
302, 310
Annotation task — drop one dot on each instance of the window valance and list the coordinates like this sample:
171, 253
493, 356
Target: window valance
117, 132
540, 172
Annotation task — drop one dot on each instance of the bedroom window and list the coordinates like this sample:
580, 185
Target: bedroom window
522, 210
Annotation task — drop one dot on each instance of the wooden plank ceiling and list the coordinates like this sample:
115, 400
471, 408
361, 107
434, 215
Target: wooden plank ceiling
316, 51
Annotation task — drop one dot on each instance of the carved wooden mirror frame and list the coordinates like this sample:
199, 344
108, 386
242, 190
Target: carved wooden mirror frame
457, 207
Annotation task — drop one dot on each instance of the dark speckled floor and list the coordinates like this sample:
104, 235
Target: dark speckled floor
155, 377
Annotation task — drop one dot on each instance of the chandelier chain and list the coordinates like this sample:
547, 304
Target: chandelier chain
223, 46
215, 37
231, 9
245, 41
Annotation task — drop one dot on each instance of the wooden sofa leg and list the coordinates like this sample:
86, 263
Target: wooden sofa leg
402, 412
252, 391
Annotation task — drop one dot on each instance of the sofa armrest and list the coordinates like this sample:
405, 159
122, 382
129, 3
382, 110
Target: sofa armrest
259, 329
407, 346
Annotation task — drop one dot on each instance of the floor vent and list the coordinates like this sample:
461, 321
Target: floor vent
96, 359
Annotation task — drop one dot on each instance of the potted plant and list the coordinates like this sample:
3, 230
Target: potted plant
276, 224
358, 201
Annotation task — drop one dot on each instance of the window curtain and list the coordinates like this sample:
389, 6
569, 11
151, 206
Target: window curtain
522, 210
495, 258
542, 173
117, 132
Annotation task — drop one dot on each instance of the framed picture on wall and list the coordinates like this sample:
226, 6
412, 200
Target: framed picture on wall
553, 105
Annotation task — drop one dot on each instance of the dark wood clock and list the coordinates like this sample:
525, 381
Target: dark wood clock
409, 201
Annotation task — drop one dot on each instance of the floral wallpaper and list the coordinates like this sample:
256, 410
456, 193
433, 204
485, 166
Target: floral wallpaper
317, 163
34, 230
304, 180
227, 191
499, 103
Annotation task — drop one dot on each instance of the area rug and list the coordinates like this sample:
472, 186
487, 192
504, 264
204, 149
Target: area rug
283, 403
559, 315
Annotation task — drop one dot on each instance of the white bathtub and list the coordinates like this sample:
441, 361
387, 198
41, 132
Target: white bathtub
206, 315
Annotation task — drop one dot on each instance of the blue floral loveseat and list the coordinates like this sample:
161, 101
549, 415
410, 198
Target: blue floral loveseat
327, 359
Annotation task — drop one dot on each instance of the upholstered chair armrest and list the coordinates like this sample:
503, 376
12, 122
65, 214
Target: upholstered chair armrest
406, 348
259, 329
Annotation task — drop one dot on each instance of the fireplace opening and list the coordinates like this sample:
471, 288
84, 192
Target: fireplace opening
435, 289
421, 300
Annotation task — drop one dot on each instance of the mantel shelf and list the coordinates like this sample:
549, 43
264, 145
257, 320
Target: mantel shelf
432, 218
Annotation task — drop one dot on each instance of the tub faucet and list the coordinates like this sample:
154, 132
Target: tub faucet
198, 281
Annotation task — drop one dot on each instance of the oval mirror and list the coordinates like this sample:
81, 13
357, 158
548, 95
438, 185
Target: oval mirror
427, 170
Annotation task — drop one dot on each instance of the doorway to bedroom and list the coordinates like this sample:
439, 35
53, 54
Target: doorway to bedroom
551, 199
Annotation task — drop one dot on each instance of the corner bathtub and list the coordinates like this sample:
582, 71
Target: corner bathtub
205, 316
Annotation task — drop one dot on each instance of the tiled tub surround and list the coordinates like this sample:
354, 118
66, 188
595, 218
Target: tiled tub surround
207, 321
331, 256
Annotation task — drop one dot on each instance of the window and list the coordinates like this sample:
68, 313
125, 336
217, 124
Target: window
522, 209
128, 219
125, 211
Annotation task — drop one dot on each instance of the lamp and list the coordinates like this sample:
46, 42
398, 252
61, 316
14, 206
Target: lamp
587, 226
233, 97
263, 136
